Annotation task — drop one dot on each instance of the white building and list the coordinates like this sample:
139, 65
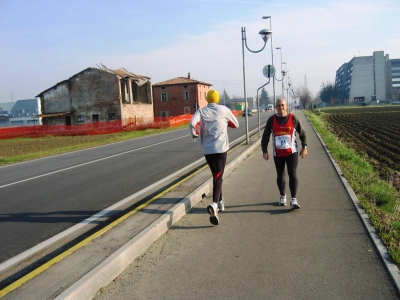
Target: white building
20, 113
365, 79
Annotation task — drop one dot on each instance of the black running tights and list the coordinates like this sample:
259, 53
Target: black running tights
216, 162
291, 161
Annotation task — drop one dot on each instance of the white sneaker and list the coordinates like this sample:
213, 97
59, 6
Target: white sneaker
294, 204
221, 204
213, 211
282, 200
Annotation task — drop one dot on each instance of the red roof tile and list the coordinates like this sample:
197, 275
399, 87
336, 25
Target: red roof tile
180, 80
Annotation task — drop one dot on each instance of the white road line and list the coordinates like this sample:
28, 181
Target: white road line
90, 162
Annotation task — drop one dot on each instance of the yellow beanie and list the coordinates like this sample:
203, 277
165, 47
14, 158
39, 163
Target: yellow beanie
212, 96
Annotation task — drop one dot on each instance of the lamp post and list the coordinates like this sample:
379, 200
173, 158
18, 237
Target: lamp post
283, 73
265, 34
223, 84
280, 49
288, 85
272, 56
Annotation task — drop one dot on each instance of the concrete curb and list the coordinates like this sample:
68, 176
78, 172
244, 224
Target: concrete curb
381, 248
109, 269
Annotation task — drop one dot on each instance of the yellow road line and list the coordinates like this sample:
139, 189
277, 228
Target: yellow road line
16, 284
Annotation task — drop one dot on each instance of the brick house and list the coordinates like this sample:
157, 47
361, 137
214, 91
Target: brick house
97, 95
179, 96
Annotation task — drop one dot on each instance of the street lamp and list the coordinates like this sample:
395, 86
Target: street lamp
272, 55
283, 73
223, 84
280, 49
265, 34
288, 86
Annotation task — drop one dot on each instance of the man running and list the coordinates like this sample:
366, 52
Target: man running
211, 124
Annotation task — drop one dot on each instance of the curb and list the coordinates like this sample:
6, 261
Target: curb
109, 269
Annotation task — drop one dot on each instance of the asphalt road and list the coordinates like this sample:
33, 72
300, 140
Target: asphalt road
41, 198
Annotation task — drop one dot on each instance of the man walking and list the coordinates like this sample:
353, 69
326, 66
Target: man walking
284, 126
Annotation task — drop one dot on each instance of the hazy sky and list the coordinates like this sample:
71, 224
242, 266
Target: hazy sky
43, 42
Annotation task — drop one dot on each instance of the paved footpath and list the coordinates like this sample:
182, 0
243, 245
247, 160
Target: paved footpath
261, 250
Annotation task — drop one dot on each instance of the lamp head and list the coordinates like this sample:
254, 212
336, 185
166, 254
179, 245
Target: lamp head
265, 34
283, 73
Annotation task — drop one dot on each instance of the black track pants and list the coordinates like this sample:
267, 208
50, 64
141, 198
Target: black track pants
291, 162
217, 162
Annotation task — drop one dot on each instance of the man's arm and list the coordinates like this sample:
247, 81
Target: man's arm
195, 124
266, 136
232, 120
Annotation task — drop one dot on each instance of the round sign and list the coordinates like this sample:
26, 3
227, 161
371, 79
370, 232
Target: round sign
269, 71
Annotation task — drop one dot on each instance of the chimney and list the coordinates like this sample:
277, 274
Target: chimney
188, 75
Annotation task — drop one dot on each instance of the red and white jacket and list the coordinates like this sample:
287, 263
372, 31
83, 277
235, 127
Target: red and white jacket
211, 124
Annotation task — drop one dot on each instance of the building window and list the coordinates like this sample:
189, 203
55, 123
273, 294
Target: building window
111, 116
164, 114
186, 110
185, 95
185, 86
164, 97
80, 119
163, 87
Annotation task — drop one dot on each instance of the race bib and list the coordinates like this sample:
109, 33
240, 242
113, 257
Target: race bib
282, 142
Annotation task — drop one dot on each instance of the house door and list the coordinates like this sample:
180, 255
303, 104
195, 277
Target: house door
68, 120
95, 118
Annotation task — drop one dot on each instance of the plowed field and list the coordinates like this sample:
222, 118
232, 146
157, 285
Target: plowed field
373, 132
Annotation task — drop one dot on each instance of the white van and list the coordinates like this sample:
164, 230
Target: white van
270, 107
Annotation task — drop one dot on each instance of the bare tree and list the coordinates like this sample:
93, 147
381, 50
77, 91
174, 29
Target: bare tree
328, 93
304, 95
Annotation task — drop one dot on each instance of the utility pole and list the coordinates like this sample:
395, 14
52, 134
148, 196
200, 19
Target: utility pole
223, 85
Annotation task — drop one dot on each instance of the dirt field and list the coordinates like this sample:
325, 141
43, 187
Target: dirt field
374, 132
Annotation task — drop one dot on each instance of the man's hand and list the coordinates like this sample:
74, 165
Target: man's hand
265, 156
303, 152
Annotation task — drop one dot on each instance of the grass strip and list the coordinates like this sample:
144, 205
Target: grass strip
23, 149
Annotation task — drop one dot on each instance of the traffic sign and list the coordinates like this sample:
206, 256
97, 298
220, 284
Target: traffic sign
269, 71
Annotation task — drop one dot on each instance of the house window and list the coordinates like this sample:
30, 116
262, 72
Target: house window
164, 113
111, 116
80, 119
163, 87
164, 97
185, 86
185, 95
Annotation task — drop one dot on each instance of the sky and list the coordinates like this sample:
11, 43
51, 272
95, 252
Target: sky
43, 42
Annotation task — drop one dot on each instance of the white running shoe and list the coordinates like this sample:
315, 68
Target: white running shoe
282, 200
213, 211
294, 204
221, 204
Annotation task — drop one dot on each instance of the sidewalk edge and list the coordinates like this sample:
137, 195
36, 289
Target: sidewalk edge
391, 267
115, 264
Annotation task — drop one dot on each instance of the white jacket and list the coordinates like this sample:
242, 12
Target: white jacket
211, 123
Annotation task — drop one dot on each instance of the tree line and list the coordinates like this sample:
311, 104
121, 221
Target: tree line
328, 95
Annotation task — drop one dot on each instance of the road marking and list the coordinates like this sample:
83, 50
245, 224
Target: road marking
76, 247
87, 163
16, 284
